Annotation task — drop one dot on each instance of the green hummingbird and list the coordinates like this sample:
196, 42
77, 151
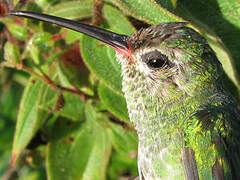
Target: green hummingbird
188, 125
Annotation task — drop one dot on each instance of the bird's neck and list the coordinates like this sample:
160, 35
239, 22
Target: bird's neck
150, 111
159, 123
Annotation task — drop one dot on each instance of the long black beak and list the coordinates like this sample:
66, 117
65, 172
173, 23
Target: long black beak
116, 41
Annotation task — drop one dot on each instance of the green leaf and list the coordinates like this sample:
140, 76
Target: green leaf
146, 10
124, 140
40, 43
66, 104
18, 31
115, 103
41, 38
73, 106
72, 36
32, 175
79, 150
35, 54
72, 9
170, 5
30, 118
4, 162
6, 137
10, 99
122, 163
11, 53
45, 4
116, 21
43, 41
73, 72
101, 59
97, 163
98, 61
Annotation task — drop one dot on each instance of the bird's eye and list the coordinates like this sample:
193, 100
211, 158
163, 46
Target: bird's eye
156, 60
156, 63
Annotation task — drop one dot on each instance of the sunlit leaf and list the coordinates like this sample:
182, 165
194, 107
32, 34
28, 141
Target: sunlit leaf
18, 31
11, 53
79, 150
155, 14
72, 9
115, 103
30, 118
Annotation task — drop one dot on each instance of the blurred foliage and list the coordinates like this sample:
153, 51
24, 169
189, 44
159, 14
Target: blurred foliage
62, 112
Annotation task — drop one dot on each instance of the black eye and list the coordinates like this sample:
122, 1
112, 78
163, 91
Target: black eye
156, 63
156, 60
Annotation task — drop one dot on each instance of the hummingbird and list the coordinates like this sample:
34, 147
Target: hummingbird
188, 125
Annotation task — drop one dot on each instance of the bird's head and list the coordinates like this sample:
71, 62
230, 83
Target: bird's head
169, 59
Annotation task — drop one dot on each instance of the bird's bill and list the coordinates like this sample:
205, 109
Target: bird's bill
116, 41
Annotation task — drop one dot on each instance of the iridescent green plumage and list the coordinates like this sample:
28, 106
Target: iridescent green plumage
187, 124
